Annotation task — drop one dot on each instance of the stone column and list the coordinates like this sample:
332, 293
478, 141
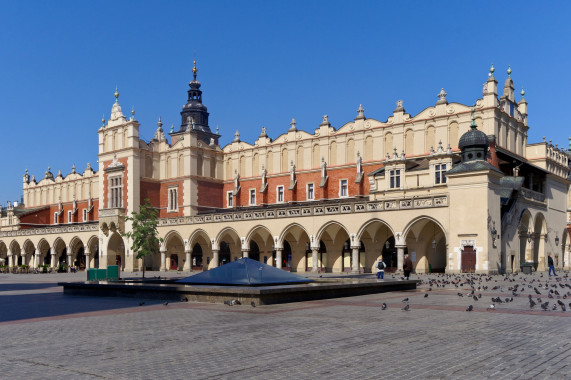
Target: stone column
187, 264
508, 263
69, 258
355, 259
87, 256
10, 259
53, 257
23, 254
279, 257
400, 257
163, 267
37, 255
215, 258
315, 259
245, 252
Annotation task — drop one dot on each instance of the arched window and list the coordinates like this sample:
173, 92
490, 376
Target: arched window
316, 159
430, 138
270, 162
332, 153
229, 168
350, 156
388, 143
243, 166
299, 161
368, 154
256, 165
409, 141
285, 163
453, 135
181, 165
168, 174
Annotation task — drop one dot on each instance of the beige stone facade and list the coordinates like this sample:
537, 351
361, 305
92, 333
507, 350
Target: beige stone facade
334, 199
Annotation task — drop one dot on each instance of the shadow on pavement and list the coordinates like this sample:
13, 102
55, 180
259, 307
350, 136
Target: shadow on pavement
27, 286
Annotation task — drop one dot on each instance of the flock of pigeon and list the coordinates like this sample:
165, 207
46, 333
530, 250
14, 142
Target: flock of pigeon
557, 291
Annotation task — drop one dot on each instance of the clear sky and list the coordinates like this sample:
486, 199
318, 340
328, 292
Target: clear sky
261, 63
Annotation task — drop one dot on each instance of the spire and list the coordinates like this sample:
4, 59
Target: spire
116, 113
194, 110
159, 134
360, 113
133, 113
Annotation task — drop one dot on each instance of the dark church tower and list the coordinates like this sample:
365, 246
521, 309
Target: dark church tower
194, 114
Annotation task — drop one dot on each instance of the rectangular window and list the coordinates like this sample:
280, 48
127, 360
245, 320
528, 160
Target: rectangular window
280, 194
69, 218
85, 215
173, 199
55, 218
310, 195
394, 179
343, 188
252, 197
116, 191
229, 199
439, 174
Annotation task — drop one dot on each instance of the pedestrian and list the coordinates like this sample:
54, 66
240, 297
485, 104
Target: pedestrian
407, 266
550, 265
380, 265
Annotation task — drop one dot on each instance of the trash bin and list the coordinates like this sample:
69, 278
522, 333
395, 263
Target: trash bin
101, 274
91, 274
113, 272
526, 268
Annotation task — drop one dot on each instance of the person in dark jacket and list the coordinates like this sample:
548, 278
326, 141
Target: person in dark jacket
407, 266
550, 265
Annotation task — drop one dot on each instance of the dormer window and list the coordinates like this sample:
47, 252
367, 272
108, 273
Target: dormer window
439, 174
394, 178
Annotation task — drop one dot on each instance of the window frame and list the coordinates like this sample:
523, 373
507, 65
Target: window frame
56, 218
69, 217
307, 191
440, 174
252, 196
343, 185
172, 199
229, 199
84, 214
115, 191
280, 193
395, 178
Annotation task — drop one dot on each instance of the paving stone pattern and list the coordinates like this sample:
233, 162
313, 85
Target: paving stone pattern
46, 335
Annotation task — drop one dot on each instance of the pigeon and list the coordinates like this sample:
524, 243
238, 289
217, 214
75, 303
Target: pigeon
236, 302
537, 291
384, 306
531, 304
229, 303
491, 307
563, 307
166, 303
425, 295
406, 308
545, 306
554, 307
405, 300
475, 298
560, 303
141, 303
460, 295
470, 308
253, 304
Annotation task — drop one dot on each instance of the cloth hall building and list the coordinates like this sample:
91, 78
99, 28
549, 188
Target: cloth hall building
459, 188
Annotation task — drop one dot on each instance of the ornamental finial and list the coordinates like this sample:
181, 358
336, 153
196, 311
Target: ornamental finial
116, 95
509, 71
473, 125
194, 70
160, 123
133, 112
522, 92
492, 70
103, 121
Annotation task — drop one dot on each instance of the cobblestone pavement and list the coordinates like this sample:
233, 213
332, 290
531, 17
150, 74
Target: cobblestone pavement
45, 334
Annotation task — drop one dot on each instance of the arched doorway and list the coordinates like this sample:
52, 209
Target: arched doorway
426, 246
287, 256
224, 256
79, 262
196, 257
254, 253
390, 255
321, 258
116, 251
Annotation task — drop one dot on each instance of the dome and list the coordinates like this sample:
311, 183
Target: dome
473, 137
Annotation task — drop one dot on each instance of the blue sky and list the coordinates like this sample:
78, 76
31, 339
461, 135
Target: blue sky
260, 63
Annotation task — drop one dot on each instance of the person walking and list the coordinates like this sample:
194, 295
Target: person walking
380, 265
407, 266
550, 265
